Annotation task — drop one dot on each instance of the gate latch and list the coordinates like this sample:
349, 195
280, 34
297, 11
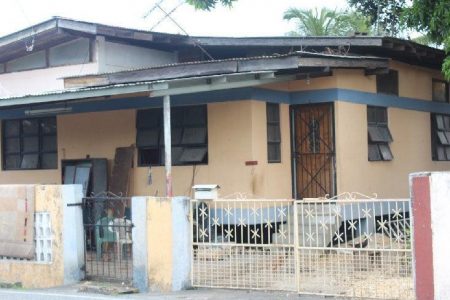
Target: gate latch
75, 204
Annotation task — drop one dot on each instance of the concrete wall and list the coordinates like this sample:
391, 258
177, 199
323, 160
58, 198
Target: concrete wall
237, 133
411, 149
410, 129
67, 257
40, 80
107, 57
168, 243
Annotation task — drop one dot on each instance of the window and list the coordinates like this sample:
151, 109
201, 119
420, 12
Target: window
189, 136
440, 137
30, 144
379, 135
440, 91
273, 133
388, 83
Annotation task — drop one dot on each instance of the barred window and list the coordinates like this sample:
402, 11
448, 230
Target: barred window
189, 136
440, 136
273, 133
379, 136
29, 144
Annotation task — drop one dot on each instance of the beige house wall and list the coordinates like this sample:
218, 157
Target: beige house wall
411, 149
236, 134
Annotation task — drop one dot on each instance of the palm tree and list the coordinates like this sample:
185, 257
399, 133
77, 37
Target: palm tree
326, 22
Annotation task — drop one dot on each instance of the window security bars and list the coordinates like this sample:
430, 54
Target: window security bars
273, 133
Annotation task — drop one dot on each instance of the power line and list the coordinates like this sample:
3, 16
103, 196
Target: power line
28, 46
168, 15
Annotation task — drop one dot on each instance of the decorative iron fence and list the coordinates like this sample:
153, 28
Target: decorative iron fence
350, 245
243, 244
108, 240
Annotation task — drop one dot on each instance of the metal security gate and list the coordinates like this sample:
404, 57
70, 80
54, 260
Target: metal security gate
313, 150
108, 240
342, 246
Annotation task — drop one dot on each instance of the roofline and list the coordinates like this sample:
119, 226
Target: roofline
211, 41
157, 88
280, 63
82, 27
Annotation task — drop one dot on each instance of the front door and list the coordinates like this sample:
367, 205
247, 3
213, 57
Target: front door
313, 149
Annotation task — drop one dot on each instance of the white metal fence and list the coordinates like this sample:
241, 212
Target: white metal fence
344, 246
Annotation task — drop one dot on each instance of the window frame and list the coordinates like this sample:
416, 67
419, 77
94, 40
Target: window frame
382, 133
447, 90
435, 138
180, 125
277, 125
379, 83
40, 135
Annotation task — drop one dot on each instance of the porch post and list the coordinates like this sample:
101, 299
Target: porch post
168, 146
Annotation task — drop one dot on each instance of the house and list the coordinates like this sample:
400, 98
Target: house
274, 117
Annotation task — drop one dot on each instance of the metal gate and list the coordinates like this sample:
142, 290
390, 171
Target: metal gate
350, 246
108, 240
313, 150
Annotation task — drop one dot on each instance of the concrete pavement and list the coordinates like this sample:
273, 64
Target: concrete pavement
200, 294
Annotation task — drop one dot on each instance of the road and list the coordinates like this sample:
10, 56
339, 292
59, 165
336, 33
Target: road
201, 294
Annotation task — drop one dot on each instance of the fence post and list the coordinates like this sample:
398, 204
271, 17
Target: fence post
139, 233
72, 234
430, 206
296, 247
182, 244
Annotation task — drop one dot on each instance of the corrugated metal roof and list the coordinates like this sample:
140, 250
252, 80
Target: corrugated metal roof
295, 53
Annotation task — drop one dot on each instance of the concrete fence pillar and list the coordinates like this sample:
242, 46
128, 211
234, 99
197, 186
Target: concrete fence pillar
139, 246
181, 255
430, 196
168, 243
72, 233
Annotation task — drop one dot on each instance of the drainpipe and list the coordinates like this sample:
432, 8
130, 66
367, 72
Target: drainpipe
167, 146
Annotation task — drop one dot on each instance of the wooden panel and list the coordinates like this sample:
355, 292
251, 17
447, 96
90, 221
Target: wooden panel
123, 161
314, 150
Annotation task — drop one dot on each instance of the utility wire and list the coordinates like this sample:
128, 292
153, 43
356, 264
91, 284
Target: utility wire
167, 15
28, 47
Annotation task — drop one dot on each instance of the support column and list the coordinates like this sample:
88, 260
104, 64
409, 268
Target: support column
167, 146
430, 207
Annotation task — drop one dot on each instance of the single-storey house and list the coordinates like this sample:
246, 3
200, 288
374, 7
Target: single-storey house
266, 117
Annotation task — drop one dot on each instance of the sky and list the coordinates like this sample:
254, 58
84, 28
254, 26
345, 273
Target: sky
245, 18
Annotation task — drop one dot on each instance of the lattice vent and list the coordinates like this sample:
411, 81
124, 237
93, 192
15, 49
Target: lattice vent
43, 237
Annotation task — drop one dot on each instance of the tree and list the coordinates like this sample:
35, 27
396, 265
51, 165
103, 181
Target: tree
433, 18
209, 4
325, 22
385, 15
